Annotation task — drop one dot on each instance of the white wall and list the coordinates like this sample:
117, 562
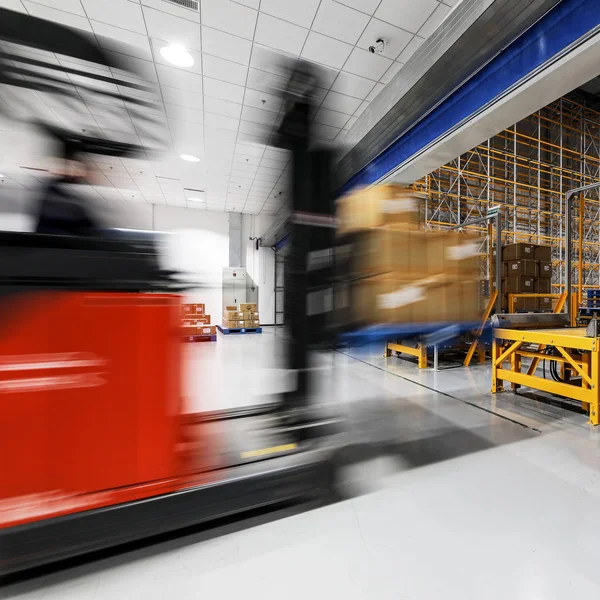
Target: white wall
200, 248
260, 265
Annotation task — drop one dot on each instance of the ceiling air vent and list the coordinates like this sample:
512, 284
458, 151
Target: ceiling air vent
192, 4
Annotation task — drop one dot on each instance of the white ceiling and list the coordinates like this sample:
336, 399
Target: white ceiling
225, 107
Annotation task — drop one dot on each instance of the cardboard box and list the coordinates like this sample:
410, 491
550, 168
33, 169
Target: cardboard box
200, 309
376, 206
233, 324
233, 315
518, 285
248, 307
543, 253
525, 305
546, 303
203, 319
545, 269
253, 323
207, 330
543, 286
232, 307
523, 266
461, 255
379, 250
517, 251
189, 309
254, 316
247, 315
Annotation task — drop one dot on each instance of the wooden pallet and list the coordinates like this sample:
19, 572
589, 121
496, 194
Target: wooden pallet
227, 330
200, 338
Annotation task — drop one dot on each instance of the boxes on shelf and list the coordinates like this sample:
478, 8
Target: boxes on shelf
193, 309
376, 206
522, 266
546, 303
517, 251
543, 253
524, 304
196, 323
518, 285
248, 307
543, 286
545, 269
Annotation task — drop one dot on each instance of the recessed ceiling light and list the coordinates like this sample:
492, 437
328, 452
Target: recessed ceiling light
177, 55
196, 199
189, 157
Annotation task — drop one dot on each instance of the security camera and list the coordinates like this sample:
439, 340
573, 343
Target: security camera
378, 48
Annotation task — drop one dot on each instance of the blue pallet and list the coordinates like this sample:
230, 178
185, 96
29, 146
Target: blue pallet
589, 312
404, 331
227, 330
593, 294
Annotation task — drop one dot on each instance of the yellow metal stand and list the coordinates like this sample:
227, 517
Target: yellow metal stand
578, 354
420, 352
476, 344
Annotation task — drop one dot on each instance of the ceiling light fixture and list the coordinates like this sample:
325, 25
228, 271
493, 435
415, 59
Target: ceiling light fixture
189, 157
196, 200
177, 55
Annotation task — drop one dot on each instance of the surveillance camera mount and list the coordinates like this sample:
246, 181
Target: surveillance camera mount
378, 47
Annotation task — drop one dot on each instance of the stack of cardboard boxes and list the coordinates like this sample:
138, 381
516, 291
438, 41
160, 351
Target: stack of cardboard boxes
196, 322
393, 273
244, 316
526, 269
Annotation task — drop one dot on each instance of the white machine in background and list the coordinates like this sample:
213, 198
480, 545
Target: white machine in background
234, 285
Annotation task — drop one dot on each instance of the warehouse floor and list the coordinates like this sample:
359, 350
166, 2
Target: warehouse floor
476, 498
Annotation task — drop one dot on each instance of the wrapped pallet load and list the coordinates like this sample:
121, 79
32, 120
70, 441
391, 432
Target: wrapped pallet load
393, 273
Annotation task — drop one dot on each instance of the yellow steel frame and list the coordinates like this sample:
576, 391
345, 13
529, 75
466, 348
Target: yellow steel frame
513, 297
476, 344
420, 352
579, 355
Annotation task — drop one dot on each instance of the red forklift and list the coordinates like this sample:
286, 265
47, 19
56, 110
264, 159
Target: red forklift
96, 446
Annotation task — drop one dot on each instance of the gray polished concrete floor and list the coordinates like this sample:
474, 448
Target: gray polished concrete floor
456, 494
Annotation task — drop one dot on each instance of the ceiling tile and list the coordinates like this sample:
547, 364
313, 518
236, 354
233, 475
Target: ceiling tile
339, 21
133, 44
341, 103
299, 12
361, 109
258, 129
410, 49
173, 30
223, 90
222, 107
214, 121
266, 82
366, 6
173, 9
350, 122
59, 16
434, 21
225, 70
365, 64
229, 16
250, 3
14, 5
406, 14
391, 72
182, 98
279, 34
325, 50
177, 78
120, 13
256, 115
225, 45
326, 116
395, 38
352, 85
72, 6
268, 59
262, 100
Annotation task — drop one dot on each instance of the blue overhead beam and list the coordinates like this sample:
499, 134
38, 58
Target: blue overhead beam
564, 25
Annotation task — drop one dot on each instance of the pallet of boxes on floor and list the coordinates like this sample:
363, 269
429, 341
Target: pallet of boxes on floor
526, 278
196, 325
242, 318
